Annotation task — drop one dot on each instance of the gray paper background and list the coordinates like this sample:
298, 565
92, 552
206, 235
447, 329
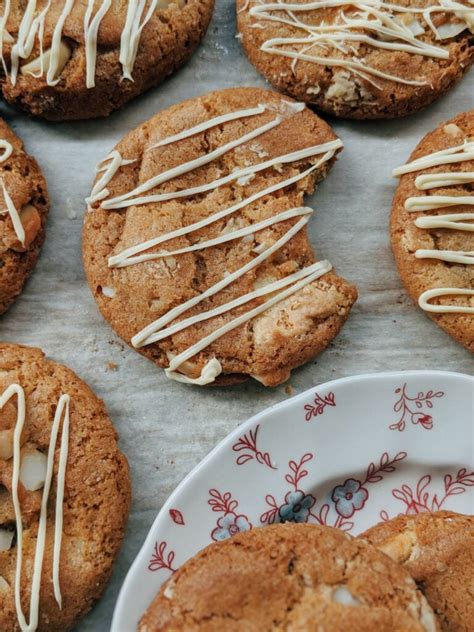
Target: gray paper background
165, 427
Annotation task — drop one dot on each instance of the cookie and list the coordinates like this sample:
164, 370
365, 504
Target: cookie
23, 212
68, 60
195, 243
64, 494
438, 551
361, 60
432, 226
290, 577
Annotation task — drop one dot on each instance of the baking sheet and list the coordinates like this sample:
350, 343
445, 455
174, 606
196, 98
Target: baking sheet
165, 427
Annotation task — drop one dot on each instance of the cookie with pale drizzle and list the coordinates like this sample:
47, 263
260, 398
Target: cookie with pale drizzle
365, 60
78, 59
24, 208
195, 243
432, 226
64, 494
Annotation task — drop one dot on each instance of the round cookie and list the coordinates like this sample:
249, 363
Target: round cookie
198, 214
358, 61
88, 508
438, 552
290, 577
432, 235
79, 60
23, 213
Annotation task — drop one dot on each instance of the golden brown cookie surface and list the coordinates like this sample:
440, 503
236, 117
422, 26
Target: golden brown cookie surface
358, 60
25, 205
290, 577
97, 54
253, 170
438, 552
432, 235
96, 491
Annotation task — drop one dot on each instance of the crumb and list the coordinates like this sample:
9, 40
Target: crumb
112, 366
289, 390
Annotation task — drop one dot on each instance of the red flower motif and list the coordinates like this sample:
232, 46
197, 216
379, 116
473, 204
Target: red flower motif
424, 420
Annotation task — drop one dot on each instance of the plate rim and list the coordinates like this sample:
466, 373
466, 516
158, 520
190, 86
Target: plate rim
236, 432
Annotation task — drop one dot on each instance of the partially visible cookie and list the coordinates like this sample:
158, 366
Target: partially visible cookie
359, 60
432, 226
64, 432
195, 244
80, 60
438, 551
290, 577
23, 212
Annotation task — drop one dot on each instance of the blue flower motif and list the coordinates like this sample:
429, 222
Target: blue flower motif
230, 524
297, 507
349, 498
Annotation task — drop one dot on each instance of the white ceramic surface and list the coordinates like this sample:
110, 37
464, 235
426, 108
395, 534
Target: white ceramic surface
348, 453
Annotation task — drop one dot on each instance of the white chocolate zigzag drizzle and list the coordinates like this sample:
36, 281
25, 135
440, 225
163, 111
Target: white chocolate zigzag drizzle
10, 207
140, 253
451, 221
62, 413
375, 23
51, 62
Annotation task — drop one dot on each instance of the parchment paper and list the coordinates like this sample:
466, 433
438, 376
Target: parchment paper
165, 427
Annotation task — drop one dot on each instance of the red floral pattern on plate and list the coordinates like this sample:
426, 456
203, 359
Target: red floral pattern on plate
329, 483
421, 498
248, 445
347, 499
177, 516
411, 408
320, 403
230, 523
161, 559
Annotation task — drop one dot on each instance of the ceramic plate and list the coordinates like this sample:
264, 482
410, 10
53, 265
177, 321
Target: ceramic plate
348, 453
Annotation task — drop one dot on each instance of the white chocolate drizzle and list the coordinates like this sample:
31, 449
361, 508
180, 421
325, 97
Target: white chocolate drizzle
10, 207
449, 156
375, 23
126, 257
426, 297
454, 221
452, 256
134, 25
450, 221
432, 202
279, 290
62, 414
7, 150
14, 215
109, 166
91, 31
31, 32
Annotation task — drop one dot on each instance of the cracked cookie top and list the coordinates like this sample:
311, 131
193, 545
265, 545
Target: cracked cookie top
65, 59
195, 242
290, 577
437, 549
372, 59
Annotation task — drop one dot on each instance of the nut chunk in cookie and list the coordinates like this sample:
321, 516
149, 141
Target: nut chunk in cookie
64, 494
437, 549
195, 244
23, 212
432, 226
362, 60
304, 577
66, 60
